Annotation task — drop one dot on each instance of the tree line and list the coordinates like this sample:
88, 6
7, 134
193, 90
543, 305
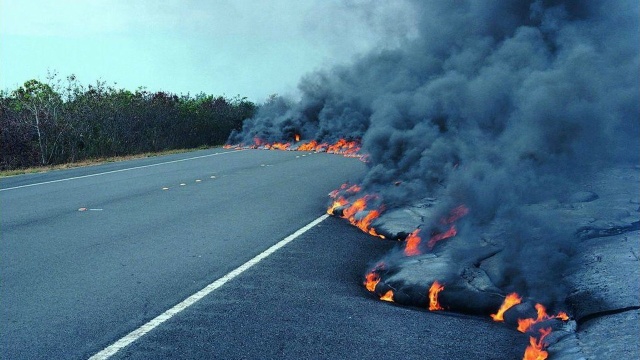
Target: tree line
62, 121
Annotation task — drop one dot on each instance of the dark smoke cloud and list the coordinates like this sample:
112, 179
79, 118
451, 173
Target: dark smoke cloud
494, 104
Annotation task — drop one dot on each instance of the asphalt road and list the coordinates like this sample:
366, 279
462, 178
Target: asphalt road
73, 282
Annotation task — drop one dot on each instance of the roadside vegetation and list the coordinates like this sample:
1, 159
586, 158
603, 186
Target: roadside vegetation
61, 121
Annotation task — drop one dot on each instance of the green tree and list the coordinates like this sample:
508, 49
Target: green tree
43, 104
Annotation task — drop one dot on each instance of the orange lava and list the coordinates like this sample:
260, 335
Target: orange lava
336, 204
442, 236
435, 289
535, 350
511, 300
412, 244
388, 296
342, 146
525, 325
352, 211
455, 214
371, 280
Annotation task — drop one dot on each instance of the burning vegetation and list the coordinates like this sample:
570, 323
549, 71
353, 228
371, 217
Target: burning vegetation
474, 128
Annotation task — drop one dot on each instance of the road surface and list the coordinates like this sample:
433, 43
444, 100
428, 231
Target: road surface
89, 255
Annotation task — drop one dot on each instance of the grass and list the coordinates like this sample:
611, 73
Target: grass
92, 162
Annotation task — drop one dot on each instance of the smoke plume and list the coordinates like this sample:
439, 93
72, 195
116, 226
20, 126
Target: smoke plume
496, 105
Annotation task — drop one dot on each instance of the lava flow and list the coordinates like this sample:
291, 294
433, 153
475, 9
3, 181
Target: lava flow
413, 241
525, 325
349, 148
355, 212
388, 296
454, 215
371, 280
435, 289
510, 301
535, 350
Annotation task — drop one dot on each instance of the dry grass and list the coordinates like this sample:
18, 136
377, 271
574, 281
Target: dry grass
91, 162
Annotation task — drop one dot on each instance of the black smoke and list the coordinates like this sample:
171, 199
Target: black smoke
494, 104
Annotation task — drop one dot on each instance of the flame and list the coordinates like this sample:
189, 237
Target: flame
433, 296
364, 224
344, 147
312, 145
345, 189
351, 211
511, 300
258, 142
413, 241
336, 204
388, 296
535, 350
371, 280
279, 146
442, 236
455, 214
525, 325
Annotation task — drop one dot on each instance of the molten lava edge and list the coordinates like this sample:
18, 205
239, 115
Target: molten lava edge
387, 280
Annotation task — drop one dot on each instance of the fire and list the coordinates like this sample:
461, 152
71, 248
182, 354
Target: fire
525, 325
388, 296
371, 280
433, 296
442, 236
336, 204
511, 300
364, 224
258, 142
345, 189
342, 146
455, 214
279, 146
313, 145
351, 210
535, 350
413, 241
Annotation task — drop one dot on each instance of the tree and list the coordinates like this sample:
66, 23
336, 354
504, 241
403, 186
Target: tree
43, 104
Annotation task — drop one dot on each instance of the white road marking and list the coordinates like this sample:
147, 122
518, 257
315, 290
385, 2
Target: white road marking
121, 170
152, 324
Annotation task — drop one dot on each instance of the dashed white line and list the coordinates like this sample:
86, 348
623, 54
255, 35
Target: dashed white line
152, 324
120, 170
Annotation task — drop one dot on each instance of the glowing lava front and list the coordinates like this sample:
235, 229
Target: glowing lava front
371, 280
435, 289
511, 300
535, 350
525, 325
388, 296
412, 244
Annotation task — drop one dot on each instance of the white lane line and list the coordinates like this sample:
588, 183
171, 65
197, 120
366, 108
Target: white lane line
121, 170
141, 331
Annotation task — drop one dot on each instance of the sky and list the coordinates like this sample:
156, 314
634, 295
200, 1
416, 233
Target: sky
251, 48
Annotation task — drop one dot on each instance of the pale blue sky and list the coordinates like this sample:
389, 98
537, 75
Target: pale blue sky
250, 48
